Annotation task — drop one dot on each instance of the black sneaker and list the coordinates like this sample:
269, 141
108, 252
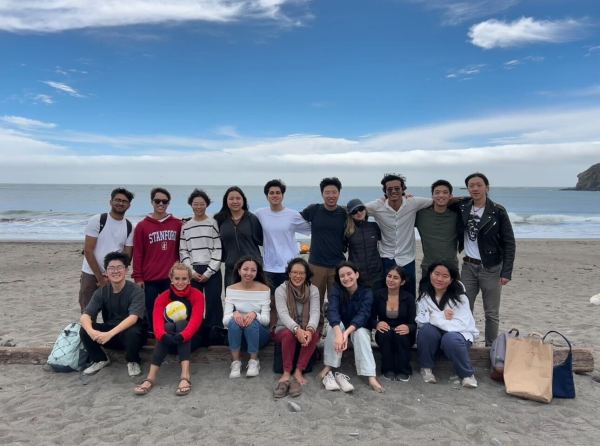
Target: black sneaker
389, 376
402, 377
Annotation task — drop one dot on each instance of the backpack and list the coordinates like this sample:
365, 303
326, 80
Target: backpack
103, 218
68, 354
498, 354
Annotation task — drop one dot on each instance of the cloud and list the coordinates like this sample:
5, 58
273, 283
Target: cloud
227, 130
595, 49
60, 15
526, 30
26, 122
466, 73
559, 143
591, 90
457, 12
64, 88
513, 63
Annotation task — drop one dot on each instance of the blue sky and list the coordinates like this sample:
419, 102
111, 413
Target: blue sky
241, 91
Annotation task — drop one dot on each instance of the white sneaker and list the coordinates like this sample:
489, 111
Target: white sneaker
95, 367
344, 382
469, 382
330, 383
428, 376
236, 369
134, 369
253, 368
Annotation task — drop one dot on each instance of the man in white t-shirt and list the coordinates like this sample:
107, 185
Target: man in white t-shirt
279, 225
395, 216
105, 233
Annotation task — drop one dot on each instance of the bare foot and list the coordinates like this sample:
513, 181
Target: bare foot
285, 377
375, 385
324, 372
300, 377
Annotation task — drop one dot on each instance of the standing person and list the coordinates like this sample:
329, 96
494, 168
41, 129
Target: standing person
155, 249
445, 323
393, 316
437, 227
395, 216
200, 249
247, 312
104, 233
176, 331
122, 305
486, 234
362, 237
240, 231
279, 225
328, 226
298, 313
349, 314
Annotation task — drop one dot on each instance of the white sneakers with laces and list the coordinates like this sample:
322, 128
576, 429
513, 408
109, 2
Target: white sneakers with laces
428, 376
344, 382
95, 367
134, 369
236, 369
330, 383
253, 368
469, 382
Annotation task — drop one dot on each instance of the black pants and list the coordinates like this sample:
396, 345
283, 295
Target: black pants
184, 350
395, 351
152, 288
213, 309
130, 340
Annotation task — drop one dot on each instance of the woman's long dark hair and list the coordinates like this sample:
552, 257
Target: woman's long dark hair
304, 263
225, 212
452, 294
260, 273
343, 291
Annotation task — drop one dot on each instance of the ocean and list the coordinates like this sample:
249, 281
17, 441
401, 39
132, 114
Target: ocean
60, 212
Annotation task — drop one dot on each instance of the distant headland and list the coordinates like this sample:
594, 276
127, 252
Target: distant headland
588, 180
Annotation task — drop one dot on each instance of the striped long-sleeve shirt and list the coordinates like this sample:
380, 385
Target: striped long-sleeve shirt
200, 244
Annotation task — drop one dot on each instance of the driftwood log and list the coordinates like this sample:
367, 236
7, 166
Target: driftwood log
583, 358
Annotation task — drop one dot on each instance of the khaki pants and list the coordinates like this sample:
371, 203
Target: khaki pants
324, 279
87, 286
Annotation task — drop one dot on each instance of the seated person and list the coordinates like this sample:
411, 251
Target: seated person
178, 314
298, 313
247, 313
122, 305
393, 316
445, 322
349, 314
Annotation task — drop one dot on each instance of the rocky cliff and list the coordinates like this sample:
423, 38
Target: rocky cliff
590, 179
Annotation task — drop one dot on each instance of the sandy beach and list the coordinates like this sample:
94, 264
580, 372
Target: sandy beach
552, 283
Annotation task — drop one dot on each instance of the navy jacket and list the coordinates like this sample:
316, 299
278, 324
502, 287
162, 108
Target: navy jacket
363, 252
354, 311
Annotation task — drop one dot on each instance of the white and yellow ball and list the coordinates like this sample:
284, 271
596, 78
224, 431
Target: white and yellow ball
175, 311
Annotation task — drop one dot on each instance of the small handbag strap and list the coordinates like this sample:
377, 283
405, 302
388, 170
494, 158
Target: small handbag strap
562, 336
514, 330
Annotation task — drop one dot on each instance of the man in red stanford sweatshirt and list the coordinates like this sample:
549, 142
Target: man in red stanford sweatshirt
155, 249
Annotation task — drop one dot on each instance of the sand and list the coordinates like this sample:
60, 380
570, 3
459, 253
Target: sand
551, 287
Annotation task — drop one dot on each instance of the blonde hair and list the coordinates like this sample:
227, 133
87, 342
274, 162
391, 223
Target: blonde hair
181, 267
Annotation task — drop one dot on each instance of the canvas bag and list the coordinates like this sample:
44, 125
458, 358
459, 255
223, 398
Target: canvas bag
528, 368
498, 354
563, 385
68, 354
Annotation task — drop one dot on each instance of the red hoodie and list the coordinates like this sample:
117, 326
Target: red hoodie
196, 300
155, 248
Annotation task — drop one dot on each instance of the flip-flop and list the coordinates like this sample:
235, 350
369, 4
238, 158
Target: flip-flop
182, 391
295, 388
282, 389
139, 390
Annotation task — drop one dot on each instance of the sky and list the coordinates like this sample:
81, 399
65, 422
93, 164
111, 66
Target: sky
221, 92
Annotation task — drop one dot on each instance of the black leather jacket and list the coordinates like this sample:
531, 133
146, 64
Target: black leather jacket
495, 238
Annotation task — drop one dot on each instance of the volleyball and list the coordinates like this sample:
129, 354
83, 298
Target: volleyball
175, 311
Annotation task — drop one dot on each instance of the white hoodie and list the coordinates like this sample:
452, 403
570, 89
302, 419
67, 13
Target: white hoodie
462, 322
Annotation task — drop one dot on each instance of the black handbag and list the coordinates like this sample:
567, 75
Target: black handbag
563, 385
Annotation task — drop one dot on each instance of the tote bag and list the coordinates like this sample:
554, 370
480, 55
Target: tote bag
563, 385
528, 368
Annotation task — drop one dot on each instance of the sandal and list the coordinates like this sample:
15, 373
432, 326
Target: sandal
295, 388
140, 390
282, 389
182, 391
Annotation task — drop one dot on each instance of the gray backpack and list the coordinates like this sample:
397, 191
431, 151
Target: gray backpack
68, 354
498, 353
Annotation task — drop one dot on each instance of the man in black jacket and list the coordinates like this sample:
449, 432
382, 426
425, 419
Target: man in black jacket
486, 234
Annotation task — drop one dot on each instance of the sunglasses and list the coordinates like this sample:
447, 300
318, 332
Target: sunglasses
159, 201
357, 210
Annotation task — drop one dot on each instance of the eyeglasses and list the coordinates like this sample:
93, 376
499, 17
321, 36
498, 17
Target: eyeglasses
159, 201
357, 210
297, 273
121, 201
116, 269
394, 189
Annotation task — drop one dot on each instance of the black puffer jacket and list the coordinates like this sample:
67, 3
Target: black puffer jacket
495, 238
363, 252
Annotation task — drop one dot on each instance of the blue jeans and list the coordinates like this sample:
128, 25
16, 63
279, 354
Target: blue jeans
254, 336
431, 339
409, 269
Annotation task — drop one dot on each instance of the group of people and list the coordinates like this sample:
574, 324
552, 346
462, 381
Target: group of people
275, 294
